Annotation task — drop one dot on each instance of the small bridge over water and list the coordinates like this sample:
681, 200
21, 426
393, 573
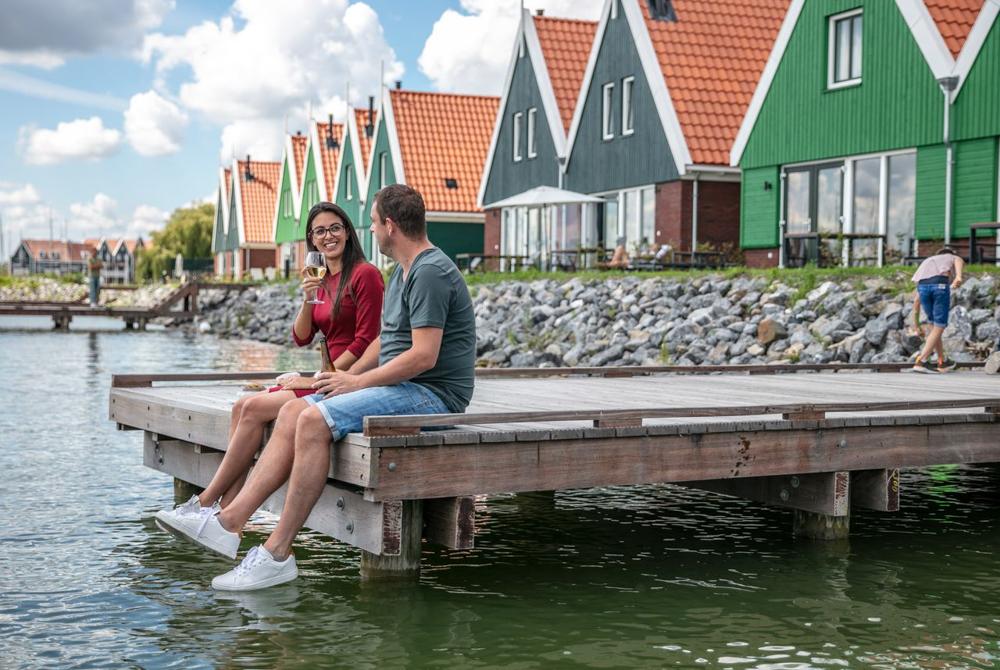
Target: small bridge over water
180, 304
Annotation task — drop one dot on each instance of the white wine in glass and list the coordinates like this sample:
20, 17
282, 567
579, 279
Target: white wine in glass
315, 267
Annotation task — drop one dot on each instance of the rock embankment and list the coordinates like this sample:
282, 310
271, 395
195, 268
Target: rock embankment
46, 289
656, 321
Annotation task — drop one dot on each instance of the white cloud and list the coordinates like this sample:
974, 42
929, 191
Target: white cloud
13, 196
39, 88
468, 52
154, 126
43, 34
97, 218
267, 59
81, 139
146, 219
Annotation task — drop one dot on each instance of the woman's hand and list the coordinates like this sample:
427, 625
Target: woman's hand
310, 284
336, 383
285, 378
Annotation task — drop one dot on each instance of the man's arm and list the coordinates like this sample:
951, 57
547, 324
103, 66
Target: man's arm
420, 357
959, 267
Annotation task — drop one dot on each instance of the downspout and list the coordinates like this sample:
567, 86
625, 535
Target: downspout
694, 213
948, 86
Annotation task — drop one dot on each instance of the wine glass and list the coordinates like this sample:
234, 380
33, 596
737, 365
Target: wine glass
315, 267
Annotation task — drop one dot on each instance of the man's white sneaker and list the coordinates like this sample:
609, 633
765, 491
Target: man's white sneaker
258, 570
202, 527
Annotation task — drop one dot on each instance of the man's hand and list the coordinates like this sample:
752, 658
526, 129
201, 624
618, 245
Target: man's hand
336, 383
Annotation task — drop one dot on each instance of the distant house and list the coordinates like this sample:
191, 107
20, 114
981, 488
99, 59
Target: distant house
320, 172
119, 257
528, 147
436, 143
50, 257
665, 89
352, 171
291, 246
247, 245
875, 125
220, 249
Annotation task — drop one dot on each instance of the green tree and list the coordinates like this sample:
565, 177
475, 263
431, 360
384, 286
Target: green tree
188, 232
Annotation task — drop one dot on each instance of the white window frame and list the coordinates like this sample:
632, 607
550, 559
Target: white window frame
520, 48
831, 55
614, 10
532, 137
382, 163
517, 136
628, 85
607, 117
348, 186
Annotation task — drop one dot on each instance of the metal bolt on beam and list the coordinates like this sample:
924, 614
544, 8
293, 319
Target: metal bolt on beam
340, 502
392, 467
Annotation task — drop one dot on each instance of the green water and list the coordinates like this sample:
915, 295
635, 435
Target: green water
653, 576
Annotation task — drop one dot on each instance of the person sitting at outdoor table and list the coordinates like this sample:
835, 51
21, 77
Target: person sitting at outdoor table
620, 258
349, 316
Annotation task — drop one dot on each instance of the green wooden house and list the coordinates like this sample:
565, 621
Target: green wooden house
291, 246
352, 170
665, 89
872, 134
436, 143
243, 238
319, 174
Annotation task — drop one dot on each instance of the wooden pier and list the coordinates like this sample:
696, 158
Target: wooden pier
180, 304
816, 442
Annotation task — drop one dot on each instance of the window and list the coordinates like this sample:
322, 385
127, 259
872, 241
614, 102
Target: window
628, 111
286, 198
607, 127
532, 144
614, 10
381, 170
450, 182
844, 55
348, 184
520, 49
517, 136
42, 255
901, 200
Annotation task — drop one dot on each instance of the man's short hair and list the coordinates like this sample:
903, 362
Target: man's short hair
405, 206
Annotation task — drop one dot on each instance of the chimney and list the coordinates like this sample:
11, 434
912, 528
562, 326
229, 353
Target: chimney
331, 141
247, 174
539, 12
399, 84
662, 10
370, 126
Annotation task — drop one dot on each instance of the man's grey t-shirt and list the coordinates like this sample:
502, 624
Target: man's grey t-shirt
434, 295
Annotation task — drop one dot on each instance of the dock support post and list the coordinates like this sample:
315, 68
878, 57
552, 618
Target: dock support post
129, 324
184, 490
61, 321
142, 323
815, 526
405, 565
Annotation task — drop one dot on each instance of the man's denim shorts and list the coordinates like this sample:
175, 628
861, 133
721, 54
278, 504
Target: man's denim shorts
346, 413
935, 299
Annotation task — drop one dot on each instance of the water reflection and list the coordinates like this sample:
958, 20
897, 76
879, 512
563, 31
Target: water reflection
645, 577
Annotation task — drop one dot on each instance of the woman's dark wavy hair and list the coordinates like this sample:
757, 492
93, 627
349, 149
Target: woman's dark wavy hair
353, 253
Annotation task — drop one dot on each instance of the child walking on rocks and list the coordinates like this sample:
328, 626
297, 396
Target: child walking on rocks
935, 279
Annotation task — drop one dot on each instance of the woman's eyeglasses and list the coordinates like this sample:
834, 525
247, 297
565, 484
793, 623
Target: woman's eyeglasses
335, 229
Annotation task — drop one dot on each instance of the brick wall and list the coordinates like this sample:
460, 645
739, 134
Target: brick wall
491, 237
758, 258
718, 213
260, 258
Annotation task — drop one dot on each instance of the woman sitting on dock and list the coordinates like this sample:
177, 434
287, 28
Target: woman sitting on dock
349, 314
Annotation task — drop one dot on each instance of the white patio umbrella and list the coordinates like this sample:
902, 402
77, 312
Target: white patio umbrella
540, 196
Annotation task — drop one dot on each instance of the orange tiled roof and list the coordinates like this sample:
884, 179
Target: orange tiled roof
68, 251
566, 47
954, 19
259, 197
711, 59
131, 245
444, 136
299, 145
365, 142
93, 242
328, 155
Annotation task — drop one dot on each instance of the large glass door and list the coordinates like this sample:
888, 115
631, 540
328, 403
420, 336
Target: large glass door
813, 204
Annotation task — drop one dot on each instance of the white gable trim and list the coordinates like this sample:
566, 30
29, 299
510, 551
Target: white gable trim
359, 160
221, 207
974, 42
544, 83
390, 130
238, 200
652, 73
502, 109
927, 36
766, 79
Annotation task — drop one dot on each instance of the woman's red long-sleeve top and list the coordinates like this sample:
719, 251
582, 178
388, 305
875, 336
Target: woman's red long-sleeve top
360, 319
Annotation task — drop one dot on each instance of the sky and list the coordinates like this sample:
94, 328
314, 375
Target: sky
113, 113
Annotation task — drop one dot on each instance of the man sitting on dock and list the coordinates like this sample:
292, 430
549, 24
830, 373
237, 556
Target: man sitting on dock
423, 363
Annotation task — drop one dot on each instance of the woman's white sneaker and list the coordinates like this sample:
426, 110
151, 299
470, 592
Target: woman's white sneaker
202, 528
258, 570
